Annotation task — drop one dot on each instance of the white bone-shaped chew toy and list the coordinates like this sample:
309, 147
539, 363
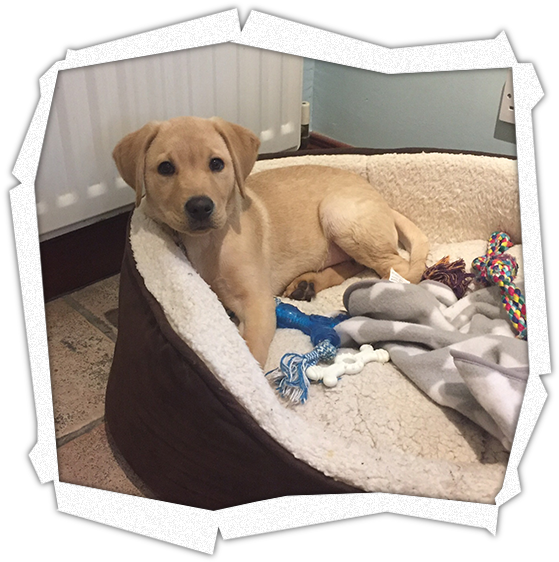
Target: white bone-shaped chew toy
346, 364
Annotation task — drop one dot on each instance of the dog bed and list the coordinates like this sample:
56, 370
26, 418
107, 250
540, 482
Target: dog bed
196, 420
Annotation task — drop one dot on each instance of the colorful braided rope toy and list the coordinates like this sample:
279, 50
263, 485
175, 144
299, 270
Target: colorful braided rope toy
499, 268
290, 377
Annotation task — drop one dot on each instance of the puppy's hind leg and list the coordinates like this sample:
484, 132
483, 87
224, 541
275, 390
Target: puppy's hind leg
362, 224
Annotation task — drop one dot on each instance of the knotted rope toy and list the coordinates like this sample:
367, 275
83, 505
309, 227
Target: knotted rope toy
499, 268
452, 275
291, 376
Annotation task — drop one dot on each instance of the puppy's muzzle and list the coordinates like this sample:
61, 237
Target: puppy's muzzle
199, 211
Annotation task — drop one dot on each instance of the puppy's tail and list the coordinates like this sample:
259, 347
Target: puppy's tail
416, 244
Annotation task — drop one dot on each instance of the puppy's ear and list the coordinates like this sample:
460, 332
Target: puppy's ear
130, 153
243, 146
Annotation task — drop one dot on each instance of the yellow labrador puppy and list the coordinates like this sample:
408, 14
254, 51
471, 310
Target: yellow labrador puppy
294, 230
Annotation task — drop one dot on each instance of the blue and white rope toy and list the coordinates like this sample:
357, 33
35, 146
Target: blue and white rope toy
291, 376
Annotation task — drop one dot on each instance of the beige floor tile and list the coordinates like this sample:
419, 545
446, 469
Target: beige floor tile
100, 299
80, 359
81, 338
89, 461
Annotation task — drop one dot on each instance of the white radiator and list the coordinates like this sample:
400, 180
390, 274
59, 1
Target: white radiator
94, 107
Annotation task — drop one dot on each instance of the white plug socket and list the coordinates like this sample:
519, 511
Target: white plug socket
506, 112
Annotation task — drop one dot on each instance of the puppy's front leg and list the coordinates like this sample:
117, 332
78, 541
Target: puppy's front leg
258, 324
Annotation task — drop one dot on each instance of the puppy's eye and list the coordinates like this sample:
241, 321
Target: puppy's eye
166, 169
216, 164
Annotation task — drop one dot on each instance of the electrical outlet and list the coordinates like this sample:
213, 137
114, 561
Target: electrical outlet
506, 112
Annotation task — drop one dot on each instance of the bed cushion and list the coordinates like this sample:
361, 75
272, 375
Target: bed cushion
195, 417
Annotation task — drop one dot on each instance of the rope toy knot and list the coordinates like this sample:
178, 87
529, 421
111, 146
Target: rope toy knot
452, 275
499, 268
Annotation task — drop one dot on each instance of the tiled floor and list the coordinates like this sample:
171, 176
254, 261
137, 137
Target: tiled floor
82, 329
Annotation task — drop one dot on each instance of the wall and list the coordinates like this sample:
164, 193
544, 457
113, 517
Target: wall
451, 110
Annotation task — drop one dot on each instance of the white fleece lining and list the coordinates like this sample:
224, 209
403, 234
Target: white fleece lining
485, 189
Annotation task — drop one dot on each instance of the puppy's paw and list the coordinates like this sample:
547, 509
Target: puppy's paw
300, 290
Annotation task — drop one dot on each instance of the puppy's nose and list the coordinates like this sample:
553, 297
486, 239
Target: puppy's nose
199, 208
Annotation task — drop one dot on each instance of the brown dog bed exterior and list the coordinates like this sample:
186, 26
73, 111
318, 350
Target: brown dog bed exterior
181, 432
194, 439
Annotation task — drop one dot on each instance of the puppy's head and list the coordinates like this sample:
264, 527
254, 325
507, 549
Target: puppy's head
190, 168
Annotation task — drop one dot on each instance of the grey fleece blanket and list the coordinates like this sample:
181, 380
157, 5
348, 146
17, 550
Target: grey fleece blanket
461, 352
